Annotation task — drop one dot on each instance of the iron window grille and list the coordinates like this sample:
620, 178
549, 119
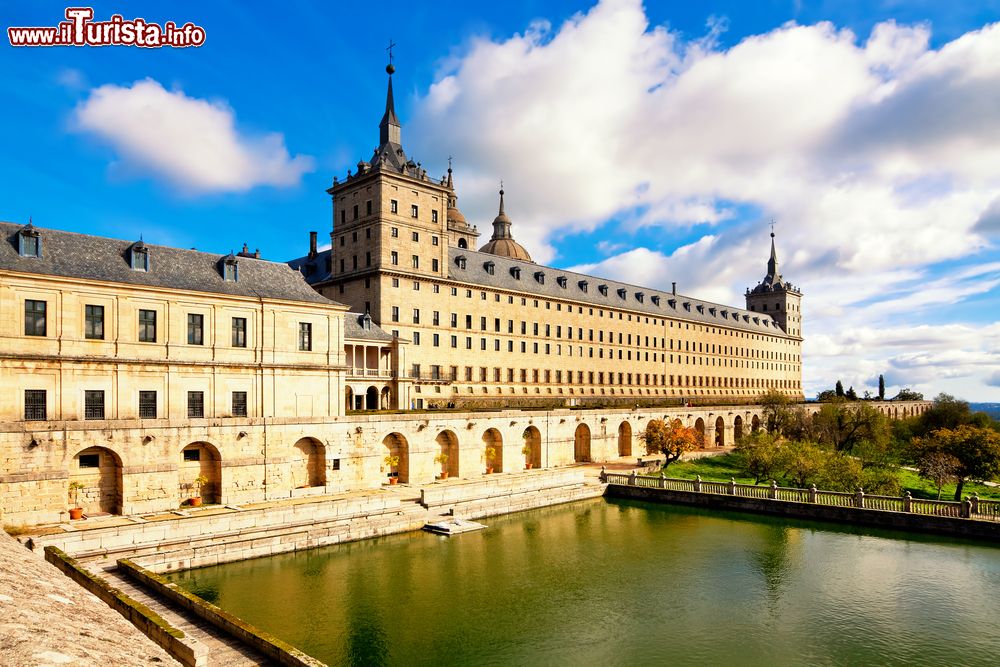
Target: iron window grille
93, 404
147, 405
239, 404
196, 404
34, 405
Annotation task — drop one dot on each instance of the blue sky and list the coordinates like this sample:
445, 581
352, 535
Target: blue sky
649, 143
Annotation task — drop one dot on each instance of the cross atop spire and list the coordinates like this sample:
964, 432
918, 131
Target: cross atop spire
389, 49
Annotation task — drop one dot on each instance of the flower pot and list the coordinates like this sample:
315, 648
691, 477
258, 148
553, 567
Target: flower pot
443, 475
527, 466
76, 513
195, 502
489, 471
393, 481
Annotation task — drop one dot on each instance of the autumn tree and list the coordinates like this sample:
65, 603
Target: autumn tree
672, 440
940, 468
976, 448
845, 426
759, 456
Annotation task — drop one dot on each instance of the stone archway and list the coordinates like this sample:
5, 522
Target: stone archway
755, 424
624, 439
201, 459
462, 243
492, 440
349, 399
447, 443
98, 471
533, 443
396, 445
738, 429
699, 426
581, 444
371, 398
386, 400
308, 463
720, 432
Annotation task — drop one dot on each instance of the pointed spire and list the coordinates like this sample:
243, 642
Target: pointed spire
501, 224
772, 264
389, 129
451, 185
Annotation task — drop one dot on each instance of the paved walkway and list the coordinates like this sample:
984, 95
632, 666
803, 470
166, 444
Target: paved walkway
223, 649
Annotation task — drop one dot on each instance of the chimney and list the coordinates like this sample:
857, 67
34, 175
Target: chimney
312, 244
673, 288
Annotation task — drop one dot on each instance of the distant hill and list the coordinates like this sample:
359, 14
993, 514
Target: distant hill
992, 409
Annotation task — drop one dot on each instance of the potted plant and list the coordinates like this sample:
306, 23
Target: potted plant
489, 455
442, 459
75, 512
526, 450
199, 481
392, 460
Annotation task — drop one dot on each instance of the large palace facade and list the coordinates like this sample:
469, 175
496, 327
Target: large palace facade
491, 327
133, 375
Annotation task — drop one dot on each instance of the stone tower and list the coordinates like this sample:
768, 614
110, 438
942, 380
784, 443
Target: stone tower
777, 298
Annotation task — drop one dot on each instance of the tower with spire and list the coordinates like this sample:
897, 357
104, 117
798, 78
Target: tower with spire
776, 297
502, 242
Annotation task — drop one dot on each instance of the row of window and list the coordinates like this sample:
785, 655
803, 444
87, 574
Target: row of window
393, 208
393, 260
36, 404
597, 377
35, 324
393, 232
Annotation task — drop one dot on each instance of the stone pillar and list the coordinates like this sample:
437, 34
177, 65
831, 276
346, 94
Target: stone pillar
732, 486
907, 502
812, 493
773, 493
859, 499
697, 483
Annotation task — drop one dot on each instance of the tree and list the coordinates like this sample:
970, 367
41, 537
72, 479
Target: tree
976, 448
759, 456
672, 440
839, 389
881, 388
908, 395
851, 395
803, 462
940, 468
777, 409
826, 395
844, 426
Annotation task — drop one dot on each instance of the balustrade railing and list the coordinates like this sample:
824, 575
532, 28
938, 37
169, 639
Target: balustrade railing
970, 508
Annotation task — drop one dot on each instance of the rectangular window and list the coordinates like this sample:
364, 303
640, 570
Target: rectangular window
93, 404
305, 336
355, 211
196, 329
147, 326
393, 207
239, 404
196, 404
368, 207
414, 211
34, 405
394, 231
239, 332
93, 327
90, 460
434, 240
147, 405
416, 316
395, 313
34, 318
394, 258
434, 265
434, 216
416, 262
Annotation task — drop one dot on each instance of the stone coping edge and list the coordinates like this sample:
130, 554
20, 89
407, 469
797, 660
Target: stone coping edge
190, 653
269, 645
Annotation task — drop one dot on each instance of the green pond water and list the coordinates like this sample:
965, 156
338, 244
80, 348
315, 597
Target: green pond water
627, 583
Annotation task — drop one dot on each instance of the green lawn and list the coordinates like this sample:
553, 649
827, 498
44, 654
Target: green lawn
722, 468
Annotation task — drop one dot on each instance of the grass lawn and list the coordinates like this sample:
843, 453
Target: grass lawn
722, 468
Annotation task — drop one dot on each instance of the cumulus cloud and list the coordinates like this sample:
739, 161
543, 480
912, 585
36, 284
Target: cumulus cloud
192, 143
877, 155
994, 379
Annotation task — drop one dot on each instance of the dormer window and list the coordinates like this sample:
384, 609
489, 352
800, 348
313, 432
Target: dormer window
540, 277
756, 320
29, 242
701, 308
582, 285
460, 261
687, 305
655, 299
673, 303
621, 292
230, 269
603, 289
139, 257
515, 271
639, 296
561, 281
725, 314
490, 267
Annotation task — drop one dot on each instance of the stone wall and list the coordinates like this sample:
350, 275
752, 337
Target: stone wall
251, 460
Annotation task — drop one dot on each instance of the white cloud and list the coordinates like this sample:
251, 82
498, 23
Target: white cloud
876, 155
192, 143
994, 379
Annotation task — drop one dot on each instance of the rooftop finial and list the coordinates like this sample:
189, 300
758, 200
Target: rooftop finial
772, 228
501, 197
390, 68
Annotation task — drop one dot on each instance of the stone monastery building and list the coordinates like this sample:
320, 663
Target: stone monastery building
133, 375
491, 327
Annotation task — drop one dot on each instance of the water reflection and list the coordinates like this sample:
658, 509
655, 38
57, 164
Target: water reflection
621, 583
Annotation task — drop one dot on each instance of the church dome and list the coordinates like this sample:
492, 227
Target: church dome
502, 243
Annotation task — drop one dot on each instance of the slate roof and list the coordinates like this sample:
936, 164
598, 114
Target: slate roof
72, 255
619, 295
313, 270
354, 328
